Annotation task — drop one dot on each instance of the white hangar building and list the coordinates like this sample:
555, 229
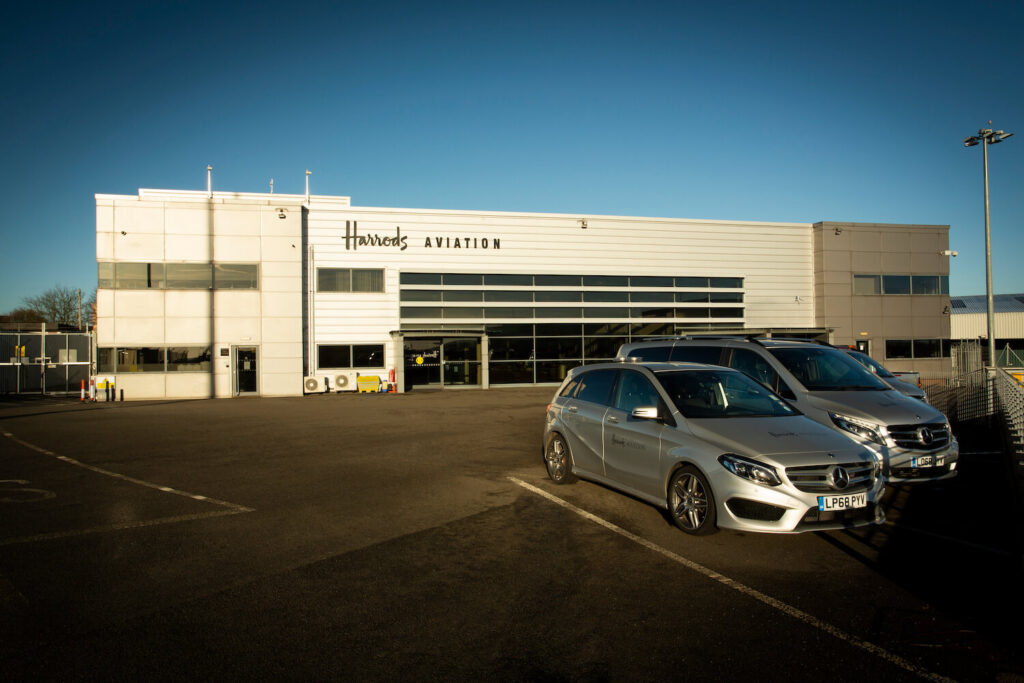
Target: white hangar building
219, 294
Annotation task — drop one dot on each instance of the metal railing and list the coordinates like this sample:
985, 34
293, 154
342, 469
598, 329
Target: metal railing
1009, 406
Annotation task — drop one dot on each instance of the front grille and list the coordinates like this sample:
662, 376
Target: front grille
752, 509
819, 478
853, 517
929, 437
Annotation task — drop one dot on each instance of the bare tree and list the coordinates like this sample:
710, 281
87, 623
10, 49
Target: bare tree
57, 305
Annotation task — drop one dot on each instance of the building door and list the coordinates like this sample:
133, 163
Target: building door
863, 345
442, 362
246, 379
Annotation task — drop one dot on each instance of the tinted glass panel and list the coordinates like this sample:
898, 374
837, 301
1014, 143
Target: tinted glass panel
692, 297
510, 312
421, 312
652, 353
925, 284
651, 296
605, 281
944, 284
558, 312
334, 356
651, 329
692, 313
189, 276
558, 330
691, 282
557, 280
606, 328
132, 276
826, 369
508, 296
612, 312
558, 296
506, 280
510, 330
511, 348
420, 278
721, 394
606, 296
898, 348
105, 360
727, 282
463, 295
927, 348
512, 373
368, 355
463, 312
602, 347
726, 312
652, 312
463, 279
236, 276
560, 347
188, 359
753, 365
333, 279
726, 297
140, 360
633, 391
553, 370
651, 281
896, 284
420, 295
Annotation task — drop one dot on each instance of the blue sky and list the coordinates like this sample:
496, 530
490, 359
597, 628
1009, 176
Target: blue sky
770, 111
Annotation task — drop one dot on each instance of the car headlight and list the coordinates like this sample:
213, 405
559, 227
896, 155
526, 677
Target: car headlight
756, 472
862, 428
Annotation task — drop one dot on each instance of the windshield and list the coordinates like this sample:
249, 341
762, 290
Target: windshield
721, 393
827, 369
871, 364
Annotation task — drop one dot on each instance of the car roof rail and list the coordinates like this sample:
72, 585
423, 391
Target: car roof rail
802, 340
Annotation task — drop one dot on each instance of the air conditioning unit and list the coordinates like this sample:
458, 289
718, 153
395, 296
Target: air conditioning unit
345, 381
313, 385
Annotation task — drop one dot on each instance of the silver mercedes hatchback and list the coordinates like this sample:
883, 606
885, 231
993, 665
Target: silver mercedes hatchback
710, 445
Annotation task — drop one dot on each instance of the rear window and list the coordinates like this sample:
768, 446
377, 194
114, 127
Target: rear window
712, 355
651, 353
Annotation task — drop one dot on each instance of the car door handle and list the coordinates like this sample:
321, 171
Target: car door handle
613, 419
573, 409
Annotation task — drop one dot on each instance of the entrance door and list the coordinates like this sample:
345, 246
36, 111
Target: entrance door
442, 362
422, 363
245, 370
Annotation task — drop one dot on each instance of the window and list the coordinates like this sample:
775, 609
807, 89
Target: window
463, 279
650, 282
925, 284
509, 280
542, 295
557, 280
138, 275
606, 296
105, 279
692, 282
189, 276
605, 281
467, 295
917, 348
596, 386
867, 284
420, 278
899, 348
509, 295
727, 282
236, 276
350, 356
104, 360
754, 366
634, 391
188, 359
896, 284
140, 360
349, 280
420, 295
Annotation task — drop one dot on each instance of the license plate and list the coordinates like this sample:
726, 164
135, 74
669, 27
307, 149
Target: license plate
847, 502
928, 461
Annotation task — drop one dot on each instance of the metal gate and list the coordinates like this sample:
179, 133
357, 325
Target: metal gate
44, 362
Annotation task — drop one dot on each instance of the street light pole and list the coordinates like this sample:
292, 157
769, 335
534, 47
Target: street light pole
987, 136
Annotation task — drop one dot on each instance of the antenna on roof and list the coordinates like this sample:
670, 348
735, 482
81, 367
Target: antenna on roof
209, 181
271, 186
308, 173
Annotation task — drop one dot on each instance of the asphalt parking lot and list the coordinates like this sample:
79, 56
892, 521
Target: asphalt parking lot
410, 536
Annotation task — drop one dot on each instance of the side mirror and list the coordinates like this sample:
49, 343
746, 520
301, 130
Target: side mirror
646, 413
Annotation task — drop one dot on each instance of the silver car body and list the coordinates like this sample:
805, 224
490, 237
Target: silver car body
913, 440
880, 371
636, 439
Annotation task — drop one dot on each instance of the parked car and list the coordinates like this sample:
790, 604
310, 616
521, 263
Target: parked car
879, 370
711, 446
912, 440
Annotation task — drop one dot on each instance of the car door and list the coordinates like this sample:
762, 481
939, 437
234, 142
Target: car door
583, 417
632, 446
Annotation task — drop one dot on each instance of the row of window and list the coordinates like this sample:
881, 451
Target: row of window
901, 284
464, 279
917, 348
636, 312
543, 296
154, 359
350, 356
178, 276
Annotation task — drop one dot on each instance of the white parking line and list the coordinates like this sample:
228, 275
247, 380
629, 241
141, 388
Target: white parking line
800, 615
232, 508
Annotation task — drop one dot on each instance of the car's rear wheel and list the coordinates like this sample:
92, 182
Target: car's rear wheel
691, 504
558, 460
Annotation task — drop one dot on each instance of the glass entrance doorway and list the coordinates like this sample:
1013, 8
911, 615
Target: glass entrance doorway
245, 370
442, 362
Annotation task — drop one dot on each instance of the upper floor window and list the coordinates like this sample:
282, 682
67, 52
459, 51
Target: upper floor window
923, 285
125, 275
350, 279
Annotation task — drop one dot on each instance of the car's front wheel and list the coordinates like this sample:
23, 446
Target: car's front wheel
691, 504
558, 460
